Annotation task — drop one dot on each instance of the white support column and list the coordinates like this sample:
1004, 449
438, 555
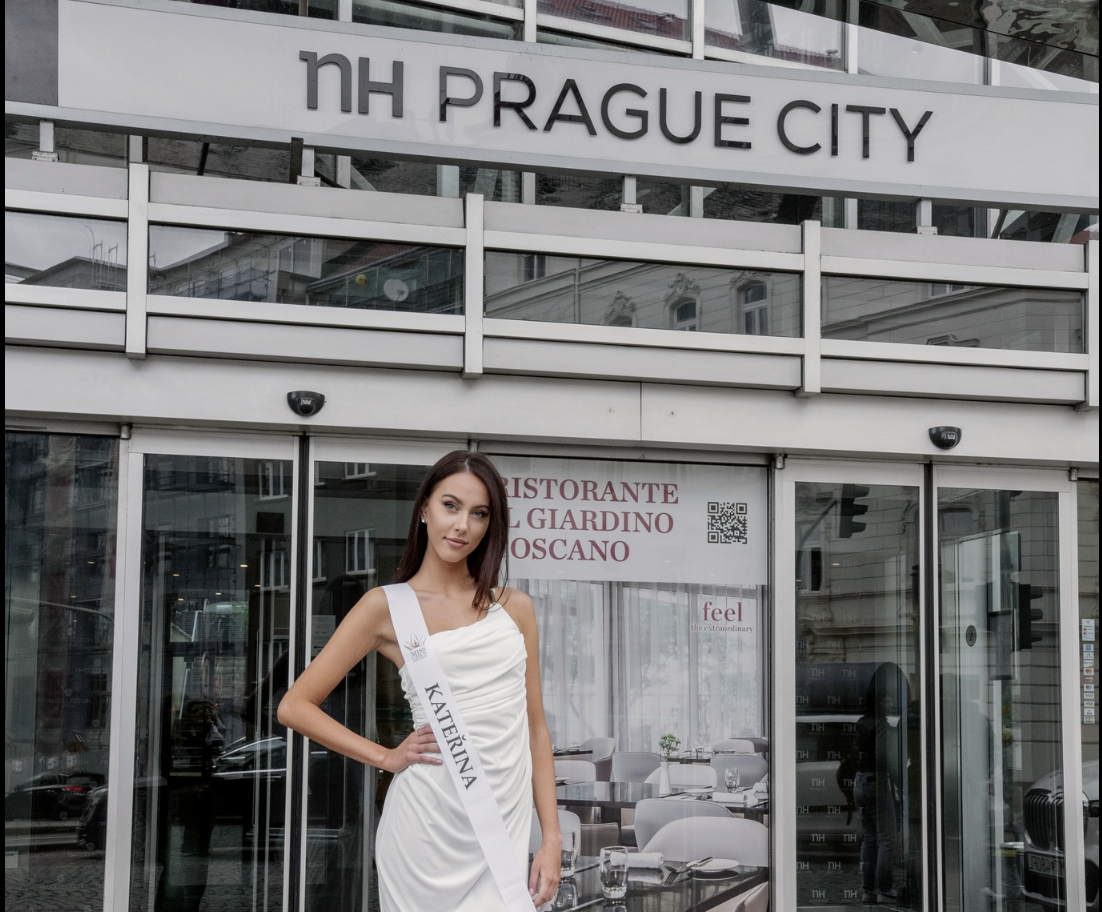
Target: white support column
528, 188
782, 773
447, 181
137, 260
530, 20
126, 638
308, 176
849, 213
851, 37
1090, 309
696, 201
811, 294
696, 14
473, 287
924, 217
344, 10
627, 200
45, 151
137, 150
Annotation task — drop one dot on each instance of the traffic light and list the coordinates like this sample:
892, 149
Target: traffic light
1027, 616
847, 521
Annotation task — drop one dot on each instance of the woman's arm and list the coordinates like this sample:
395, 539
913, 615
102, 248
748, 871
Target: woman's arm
367, 628
547, 864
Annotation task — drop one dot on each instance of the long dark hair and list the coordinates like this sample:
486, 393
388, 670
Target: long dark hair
484, 563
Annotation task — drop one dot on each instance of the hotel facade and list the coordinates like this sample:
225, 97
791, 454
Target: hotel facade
779, 319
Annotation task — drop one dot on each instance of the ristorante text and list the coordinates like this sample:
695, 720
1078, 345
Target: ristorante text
625, 110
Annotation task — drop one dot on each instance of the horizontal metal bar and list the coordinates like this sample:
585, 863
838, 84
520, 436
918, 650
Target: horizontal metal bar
304, 225
55, 296
943, 354
644, 251
65, 204
656, 338
608, 33
265, 312
952, 272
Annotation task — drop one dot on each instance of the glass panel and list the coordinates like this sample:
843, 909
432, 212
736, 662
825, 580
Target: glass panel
78, 147
317, 272
777, 30
960, 221
534, 286
860, 807
1049, 227
749, 204
64, 251
663, 18
893, 42
944, 313
434, 19
1047, 58
427, 179
1000, 692
219, 159
886, 215
597, 191
318, 9
60, 509
1088, 647
211, 760
1014, 74
361, 516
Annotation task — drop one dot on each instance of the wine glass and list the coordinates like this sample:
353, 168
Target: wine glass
731, 778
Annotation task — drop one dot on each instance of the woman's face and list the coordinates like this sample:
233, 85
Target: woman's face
456, 516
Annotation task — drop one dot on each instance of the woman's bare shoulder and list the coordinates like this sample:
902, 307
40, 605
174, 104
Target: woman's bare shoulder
519, 605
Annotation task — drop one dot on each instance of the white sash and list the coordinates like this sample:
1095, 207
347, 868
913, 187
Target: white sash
456, 750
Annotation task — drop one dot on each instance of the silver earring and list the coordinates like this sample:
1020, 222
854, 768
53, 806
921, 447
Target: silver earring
422, 519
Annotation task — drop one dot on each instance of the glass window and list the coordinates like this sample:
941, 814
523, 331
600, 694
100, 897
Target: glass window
64, 251
318, 272
211, 757
748, 204
662, 18
810, 34
1051, 227
1089, 621
78, 147
1000, 698
60, 514
893, 42
435, 19
212, 159
860, 806
886, 215
649, 295
934, 313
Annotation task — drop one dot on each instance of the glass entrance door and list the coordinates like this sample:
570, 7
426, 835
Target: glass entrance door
858, 685
1004, 733
215, 633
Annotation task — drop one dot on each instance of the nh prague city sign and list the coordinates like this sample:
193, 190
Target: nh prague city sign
164, 66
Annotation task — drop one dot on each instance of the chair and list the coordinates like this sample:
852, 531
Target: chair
651, 814
579, 770
687, 775
602, 750
567, 821
633, 766
751, 767
734, 746
746, 841
756, 900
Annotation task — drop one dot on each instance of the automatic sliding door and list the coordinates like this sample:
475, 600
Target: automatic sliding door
210, 784
860, 812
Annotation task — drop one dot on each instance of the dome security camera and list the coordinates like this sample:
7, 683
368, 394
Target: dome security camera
945, 437
305, 402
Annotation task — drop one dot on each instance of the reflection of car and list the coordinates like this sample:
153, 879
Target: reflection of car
1043, 862
92, 831
51, 796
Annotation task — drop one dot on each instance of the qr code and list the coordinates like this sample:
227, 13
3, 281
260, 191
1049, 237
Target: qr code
727, 523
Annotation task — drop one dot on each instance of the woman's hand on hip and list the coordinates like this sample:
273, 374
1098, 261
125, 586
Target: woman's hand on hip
419, 747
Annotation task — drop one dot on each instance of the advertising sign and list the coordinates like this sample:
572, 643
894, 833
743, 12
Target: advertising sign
639, 522
507, 104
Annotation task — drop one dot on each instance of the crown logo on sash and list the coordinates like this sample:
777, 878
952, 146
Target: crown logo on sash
415, 646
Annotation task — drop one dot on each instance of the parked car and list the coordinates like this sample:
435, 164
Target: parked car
51, 796
1043, 864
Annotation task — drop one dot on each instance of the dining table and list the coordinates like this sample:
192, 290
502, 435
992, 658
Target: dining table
648, 892
613, 797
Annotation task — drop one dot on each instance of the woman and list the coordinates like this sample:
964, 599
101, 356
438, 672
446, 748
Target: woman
427, 855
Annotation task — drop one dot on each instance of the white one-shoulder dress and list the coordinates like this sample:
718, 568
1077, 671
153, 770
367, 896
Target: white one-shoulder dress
427, 856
